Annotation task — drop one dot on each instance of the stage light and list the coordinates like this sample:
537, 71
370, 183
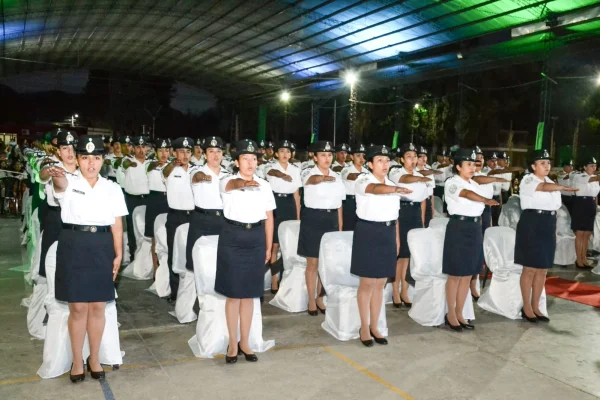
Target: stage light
285, 96
351, 78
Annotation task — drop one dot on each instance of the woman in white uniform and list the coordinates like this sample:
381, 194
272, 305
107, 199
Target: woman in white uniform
424, 169
349, 175
376, 239
463, 242
535, 242
411, 216
584, 210
244, 246
90, 250
284, 178
323, 196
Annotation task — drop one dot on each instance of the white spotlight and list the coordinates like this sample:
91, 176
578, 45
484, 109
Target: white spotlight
285, 96
351, 78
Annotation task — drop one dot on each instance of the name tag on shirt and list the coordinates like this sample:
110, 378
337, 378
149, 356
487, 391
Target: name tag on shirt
78, 191
177, 176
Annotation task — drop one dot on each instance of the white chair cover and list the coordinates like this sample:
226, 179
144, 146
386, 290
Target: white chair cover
211, 329
429, 301
37, 311
565, 239
595, 239
33, 247
186, 294
161, 285
438, 207
57, 356
126, 256
503, 296
292, 295
33, 274
511, 212
141, 268
439, 223
342, 319
26, 213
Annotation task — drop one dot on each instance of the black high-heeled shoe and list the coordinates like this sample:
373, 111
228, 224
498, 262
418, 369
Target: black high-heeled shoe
533, 320
313, 313
249, 357
76, 378
467, 326
321, 310
583, 267
397, 305
378, 340
542, 318
475, 298
366, 343
230, 359
457, 328
94, 374
406, 304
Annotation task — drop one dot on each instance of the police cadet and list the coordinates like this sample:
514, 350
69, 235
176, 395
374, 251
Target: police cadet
440, 179
284, 178
198, 157
157, 198
110, 159
564, 179
425, 169
376, 240
535, 242
503, 165
411, 216
584, 209
244, 246
89, 253
66, 160
177, 176
349, 175
322, 213
341, 153
126, 151
463, 242
207, 218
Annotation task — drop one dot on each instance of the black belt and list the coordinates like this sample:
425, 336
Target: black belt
86, 228
216, 213
186, 212
410, 203
244, 224
544, 212
464, 218
323, 209
53, 208
283, 194
157, 192
586, 197
386, 223
350, 196
136, 195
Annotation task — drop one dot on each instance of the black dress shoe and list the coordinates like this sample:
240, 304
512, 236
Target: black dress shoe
76, 378
171, 299
542, 318
94, 374
274, 291
583, 267
457, 328
475, 298
378, 340
397, 305
533, 320
313, 313
467, 326
230, 360
322, 310
406, 304
249, 357
366, 343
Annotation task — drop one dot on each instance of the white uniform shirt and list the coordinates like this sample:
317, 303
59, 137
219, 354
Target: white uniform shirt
136, 178
198, 161
337, 164
325, 195
440, 180
586, 189
49, 187
532, 199
155, 179
308, 164
207, 195
564, 179
349, 185
505, 187
279, 185
420, 191
110, 169
460, 205
431, 183
179, 189
487, 188
83, 205
248, 205
375, 207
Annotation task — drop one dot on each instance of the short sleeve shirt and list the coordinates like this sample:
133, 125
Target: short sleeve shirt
248, 205
375, 207
325, 195
531, 199
419, 189
460, 205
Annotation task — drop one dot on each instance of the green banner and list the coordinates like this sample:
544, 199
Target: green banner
262, 123
539, 137
312, 138
395, 140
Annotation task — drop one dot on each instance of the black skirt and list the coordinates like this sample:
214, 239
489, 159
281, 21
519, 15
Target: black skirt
84, 265
583, 214
157, 204
349, 213
314, 224
428, 211
535, 242
463, 247
374, 249
568, 202
202, 223
285, 211
241, 257
409, 218
52, 229
486, 219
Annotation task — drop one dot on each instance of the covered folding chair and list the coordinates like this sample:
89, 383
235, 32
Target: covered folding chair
565, 238
292, 295
511, 212
595, 239
438, 207
211, 329
439, 223
142, 267
342, 319
57, 356
36, 312
186, 295
504, 294
161, 285
429, 301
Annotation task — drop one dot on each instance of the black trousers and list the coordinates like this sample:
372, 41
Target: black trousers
505, 195
496, 211
349, 213
133, 201
175, 218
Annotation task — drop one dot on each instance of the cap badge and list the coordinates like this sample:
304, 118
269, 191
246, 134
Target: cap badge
90, 146
127, 140
384, 150
546, 153
213, 142
327, 146
411, 147
344, 147
141, 141
250, 147
473, 156
185, 142
164, 144
593, 160
70, 137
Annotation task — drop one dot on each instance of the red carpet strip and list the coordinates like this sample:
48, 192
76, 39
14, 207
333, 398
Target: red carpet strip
574, 291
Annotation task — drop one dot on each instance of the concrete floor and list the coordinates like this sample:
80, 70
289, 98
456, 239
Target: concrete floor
501, 359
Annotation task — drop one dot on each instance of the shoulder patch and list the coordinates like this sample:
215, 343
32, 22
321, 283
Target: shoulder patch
452, 189
528, 179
